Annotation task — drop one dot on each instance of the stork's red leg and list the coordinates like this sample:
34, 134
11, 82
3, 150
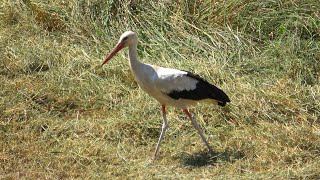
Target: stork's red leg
196, 126
163, 130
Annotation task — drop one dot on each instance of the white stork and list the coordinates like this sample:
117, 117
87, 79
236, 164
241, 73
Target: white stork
172, 87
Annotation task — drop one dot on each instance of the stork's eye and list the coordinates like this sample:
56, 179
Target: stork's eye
125, 38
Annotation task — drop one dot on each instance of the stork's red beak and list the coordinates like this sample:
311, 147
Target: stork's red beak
114, 51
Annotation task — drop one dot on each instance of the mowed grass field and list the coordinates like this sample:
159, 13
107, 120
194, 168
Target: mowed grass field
62, 116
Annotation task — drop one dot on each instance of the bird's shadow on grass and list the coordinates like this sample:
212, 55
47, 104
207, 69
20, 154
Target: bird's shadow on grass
204, 158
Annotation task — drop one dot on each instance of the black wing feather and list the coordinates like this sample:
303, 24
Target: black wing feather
203, 90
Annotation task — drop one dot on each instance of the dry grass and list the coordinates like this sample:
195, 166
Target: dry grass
62, 116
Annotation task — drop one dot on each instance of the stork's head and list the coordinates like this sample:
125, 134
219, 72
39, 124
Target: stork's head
128, 38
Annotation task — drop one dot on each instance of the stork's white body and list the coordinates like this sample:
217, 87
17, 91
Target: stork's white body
169, 86
157, 81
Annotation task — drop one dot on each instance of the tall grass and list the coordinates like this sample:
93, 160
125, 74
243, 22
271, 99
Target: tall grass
62, 116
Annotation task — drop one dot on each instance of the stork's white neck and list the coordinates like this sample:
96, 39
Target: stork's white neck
134, 62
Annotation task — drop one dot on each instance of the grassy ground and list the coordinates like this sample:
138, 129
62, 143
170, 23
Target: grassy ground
62, 116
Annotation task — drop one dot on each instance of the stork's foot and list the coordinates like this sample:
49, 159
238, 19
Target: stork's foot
210, 151
154, 158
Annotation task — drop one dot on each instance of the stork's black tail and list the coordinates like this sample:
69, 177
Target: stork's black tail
205, 90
